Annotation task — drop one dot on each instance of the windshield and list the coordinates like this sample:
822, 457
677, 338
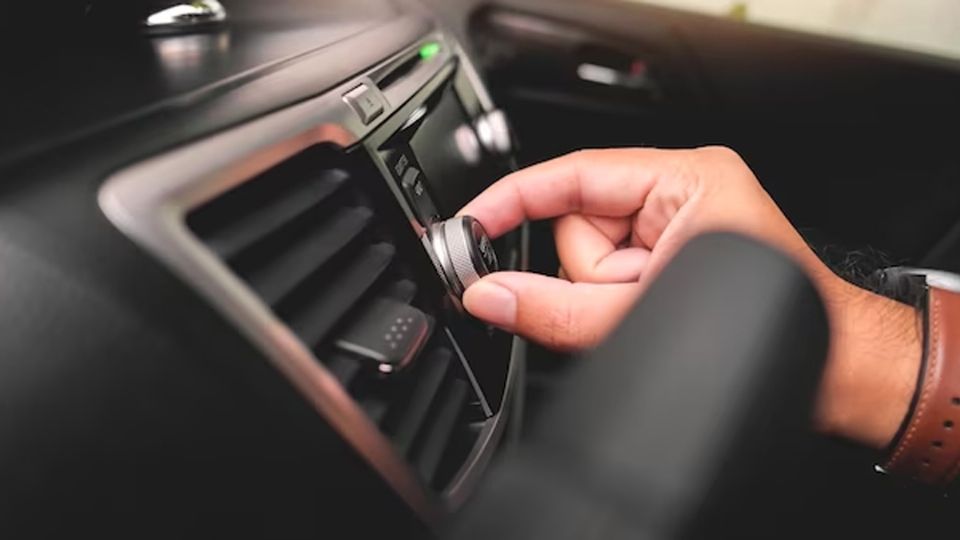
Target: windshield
927, 26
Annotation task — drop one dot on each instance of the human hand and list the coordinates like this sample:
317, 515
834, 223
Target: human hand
622, 214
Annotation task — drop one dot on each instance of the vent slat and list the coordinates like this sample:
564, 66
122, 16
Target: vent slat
267, 216
305, 237
440, 430
317, 317
402, 291
323, 241
344, 368
431, 377
376, 409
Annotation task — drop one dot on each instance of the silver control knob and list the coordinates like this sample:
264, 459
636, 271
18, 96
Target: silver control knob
468, 145
493, 130
462, 252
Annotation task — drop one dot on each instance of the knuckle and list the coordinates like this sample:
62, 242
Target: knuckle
725, 164
723, 156
583, 158
721, 152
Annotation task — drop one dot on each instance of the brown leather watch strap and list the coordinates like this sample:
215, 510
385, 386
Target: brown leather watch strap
929, 446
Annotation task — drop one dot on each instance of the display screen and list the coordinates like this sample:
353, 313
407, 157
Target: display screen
450, 177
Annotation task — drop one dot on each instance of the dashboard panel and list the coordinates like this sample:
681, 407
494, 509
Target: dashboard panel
193, 265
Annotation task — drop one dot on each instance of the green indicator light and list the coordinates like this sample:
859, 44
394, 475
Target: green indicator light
429, 50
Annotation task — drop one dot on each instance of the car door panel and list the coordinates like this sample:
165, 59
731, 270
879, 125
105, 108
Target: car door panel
847, 137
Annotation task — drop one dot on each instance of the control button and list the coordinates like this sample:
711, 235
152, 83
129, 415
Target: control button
468, 145
418, 197
388, 335
400, 163
365, 102
462, 252
493, 130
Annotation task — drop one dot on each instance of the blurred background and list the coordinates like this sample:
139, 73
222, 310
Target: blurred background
931, 26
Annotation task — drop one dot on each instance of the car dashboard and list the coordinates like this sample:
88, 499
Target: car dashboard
224, 315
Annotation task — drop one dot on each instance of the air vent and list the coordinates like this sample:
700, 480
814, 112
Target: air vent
308, 240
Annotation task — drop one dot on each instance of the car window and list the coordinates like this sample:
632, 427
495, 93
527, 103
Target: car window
928, 26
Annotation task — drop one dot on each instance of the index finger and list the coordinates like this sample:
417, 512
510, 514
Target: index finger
612, 183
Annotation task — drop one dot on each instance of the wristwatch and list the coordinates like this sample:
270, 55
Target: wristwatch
927, 446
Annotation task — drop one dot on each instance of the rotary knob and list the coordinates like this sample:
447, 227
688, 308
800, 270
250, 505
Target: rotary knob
493, 132
462, 252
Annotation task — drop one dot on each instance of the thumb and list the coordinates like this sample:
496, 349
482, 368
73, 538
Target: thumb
550, 311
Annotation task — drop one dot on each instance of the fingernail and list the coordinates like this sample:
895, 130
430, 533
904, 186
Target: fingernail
493, 303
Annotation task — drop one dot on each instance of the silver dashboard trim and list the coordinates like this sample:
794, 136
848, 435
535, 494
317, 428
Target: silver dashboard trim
473, 76
148, 202
477, 389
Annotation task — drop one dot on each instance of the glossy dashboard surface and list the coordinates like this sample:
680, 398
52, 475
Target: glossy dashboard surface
68, 72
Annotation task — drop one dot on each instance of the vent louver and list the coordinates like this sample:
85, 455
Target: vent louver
306, 238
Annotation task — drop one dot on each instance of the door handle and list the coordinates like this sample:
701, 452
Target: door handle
637, 77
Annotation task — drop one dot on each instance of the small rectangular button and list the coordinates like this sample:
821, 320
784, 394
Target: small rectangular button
365, 102
418, 197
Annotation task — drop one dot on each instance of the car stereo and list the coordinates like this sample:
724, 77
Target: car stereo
438, 158
441, 150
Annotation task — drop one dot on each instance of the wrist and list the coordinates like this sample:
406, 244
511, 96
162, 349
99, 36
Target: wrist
871, 374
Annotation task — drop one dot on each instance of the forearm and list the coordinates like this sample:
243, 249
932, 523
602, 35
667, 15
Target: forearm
871, 375
876, 347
